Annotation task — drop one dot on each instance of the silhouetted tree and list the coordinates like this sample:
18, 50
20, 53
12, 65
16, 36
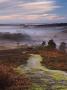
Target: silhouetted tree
43, 43
62, 47
51, 44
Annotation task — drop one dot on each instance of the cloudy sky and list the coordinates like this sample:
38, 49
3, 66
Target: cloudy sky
33, 11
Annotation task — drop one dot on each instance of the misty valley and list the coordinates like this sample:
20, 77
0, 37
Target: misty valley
33, 58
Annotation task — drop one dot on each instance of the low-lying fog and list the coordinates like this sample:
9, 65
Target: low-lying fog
59, 34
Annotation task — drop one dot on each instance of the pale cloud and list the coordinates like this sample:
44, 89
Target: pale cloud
38, 6
55, 17
3, 1
24, 17
28, 10
6, 17
44, 16
32, 17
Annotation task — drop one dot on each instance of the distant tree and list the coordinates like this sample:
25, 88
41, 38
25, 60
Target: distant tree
43, 43
51, 44
62, 47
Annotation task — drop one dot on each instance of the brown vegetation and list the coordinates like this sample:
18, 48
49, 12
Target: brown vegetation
52, 59
10, 80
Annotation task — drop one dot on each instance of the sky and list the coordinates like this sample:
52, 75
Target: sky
33, 11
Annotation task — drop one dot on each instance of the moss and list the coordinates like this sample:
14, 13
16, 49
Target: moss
58, 76
59, 87
37, 87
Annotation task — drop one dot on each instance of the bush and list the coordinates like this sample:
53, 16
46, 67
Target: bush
51, 44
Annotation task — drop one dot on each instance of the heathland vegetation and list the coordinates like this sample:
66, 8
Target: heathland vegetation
53, 58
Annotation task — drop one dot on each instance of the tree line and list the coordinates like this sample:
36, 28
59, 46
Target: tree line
52, 45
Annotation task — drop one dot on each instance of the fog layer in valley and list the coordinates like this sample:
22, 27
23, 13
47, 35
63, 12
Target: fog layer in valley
37, 35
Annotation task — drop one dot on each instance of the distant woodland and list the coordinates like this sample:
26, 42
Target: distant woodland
14, 36
37, 25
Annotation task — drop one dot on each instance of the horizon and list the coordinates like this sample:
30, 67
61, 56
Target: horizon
33, 23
